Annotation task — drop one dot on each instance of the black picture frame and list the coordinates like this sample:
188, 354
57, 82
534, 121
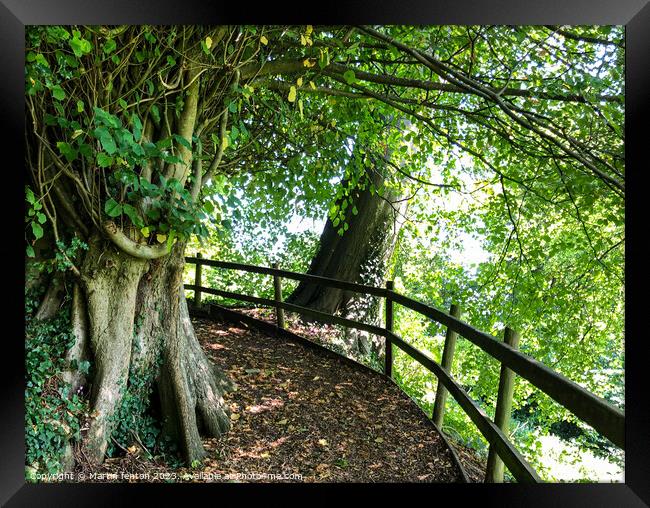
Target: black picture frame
15, 14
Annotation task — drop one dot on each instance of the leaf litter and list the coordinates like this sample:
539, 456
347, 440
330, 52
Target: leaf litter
305, 416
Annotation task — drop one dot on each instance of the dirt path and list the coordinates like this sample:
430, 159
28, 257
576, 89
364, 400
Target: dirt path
300, 414
298, 411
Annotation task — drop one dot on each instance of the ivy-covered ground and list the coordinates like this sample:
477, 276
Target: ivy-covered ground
304, 415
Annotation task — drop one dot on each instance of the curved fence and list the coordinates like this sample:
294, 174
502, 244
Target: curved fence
606, 419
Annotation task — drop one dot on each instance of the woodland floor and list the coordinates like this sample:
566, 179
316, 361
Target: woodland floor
327, 335
305, 415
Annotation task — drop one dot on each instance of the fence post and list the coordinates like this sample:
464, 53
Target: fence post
494, 471
447, 361
279, 312
197, 281
388, 357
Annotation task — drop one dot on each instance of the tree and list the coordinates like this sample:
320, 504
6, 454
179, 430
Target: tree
358, 239
130, 130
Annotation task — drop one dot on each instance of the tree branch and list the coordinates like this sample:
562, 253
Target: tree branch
584, 38
137, 250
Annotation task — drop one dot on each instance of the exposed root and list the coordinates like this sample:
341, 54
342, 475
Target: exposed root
80, 350
52, 300
191, 390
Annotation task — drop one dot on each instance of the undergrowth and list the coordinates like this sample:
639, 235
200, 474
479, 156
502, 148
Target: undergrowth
52, 413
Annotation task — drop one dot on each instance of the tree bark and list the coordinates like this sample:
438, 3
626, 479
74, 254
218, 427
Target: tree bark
360, 255
53, 298
138, 321
79, 351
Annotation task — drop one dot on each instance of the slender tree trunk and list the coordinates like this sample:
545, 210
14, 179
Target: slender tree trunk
138, 321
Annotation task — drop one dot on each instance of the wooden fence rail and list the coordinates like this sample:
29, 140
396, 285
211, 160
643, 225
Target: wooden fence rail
605, 418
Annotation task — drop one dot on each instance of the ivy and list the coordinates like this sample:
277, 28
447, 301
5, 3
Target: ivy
35, 220
52, 413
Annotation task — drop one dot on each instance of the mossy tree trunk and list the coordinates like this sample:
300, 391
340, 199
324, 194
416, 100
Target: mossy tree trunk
138, 321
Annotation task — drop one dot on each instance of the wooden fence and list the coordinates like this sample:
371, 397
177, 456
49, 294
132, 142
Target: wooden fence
606, 419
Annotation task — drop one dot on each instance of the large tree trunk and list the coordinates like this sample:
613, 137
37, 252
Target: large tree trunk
138, 322
360, 255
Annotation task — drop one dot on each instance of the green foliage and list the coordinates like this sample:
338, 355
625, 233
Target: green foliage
52, 413
33, 296
539, 279
35, 219
64, 256
242, 240
133, 420
170, 212
66, 253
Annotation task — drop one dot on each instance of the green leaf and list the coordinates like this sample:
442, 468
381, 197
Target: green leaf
133, 215
58, 93
79, 46
30, 251
112, 208
105, 118
85, 150
67, 151
170, 240
109, 46
84, 366
349, 77
234, 133
105, 138
103, 160
37, 230
208, 207
153, 214
155, 113
137, 127
324, 59
183, 141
